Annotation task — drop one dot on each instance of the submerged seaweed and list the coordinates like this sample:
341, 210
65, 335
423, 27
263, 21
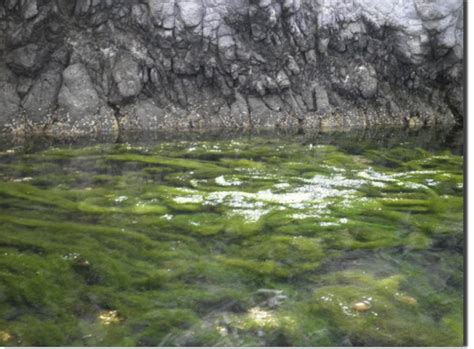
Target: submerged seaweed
254, 241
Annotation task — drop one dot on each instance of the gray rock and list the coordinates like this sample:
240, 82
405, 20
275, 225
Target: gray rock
140, 15
143, 115
9, 102
322, 101
227, 62
23, 85
282, 80
126, 75
27, 60
239, 111
366, 80
66, 7
191, 11
77, 96
42, 97
82, 7
29, 9
104, 122
261, 115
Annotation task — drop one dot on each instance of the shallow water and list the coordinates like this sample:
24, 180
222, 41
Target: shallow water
288, 240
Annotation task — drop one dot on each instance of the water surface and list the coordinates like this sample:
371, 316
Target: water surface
334, 239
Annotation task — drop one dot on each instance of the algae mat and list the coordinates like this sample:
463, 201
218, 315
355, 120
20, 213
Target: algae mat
243, 241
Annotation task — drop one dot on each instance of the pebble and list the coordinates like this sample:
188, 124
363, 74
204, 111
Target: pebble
361, 307
82, 262
408, 299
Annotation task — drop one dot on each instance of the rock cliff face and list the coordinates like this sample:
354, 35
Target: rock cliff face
81, 66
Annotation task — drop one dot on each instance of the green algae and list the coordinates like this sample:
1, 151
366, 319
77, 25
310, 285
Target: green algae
388, 322
251, 241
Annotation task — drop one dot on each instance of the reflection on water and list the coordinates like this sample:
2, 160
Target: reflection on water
278, 240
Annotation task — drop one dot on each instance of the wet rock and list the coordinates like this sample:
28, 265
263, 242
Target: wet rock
77, 96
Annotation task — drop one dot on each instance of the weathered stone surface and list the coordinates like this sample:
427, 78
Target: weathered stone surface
27, 59
191, 11
143, 115
322, 101
42, 97
9, 102
261, 115
366, 80
126, 75
234, 63
239, 111
78, 97
29, 9
9, 99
